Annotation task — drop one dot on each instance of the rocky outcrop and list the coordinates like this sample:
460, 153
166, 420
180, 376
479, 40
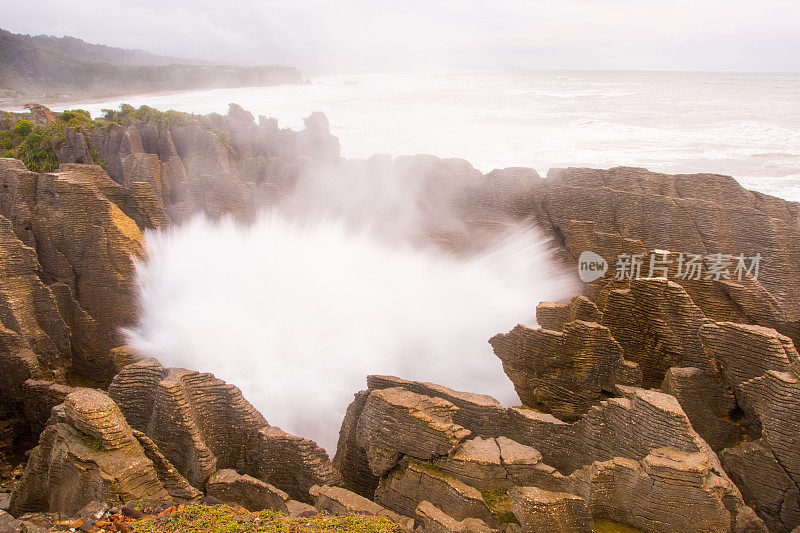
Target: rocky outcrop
559, 512
430, 519
339, 501
761, 368
564, 372
253, 494
88, 453
668, 490
405, 487
714, 358
605, 459
494, 463
656, 323
396, 422
631, 210
72, 248
554, 315
40, 398
202, 424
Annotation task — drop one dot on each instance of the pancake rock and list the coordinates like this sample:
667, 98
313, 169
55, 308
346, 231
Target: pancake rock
87, 453
605, 459
564, 372
202, 424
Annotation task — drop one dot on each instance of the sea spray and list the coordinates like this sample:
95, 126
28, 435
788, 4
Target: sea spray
297, 314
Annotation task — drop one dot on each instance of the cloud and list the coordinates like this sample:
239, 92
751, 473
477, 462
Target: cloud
388, 34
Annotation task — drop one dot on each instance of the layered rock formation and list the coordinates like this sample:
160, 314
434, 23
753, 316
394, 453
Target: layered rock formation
605, 459
87, 453
661, 404
202, 424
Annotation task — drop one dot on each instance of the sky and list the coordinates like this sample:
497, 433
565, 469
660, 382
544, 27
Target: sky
392, 35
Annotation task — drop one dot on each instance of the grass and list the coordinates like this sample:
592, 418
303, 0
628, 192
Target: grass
226, 519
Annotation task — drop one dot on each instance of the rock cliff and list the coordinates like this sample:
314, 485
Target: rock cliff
662, 402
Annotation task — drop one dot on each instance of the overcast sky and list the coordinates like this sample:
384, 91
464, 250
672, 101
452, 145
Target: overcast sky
378, 35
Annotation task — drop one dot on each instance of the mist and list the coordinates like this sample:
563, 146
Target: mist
298, 313
361, 36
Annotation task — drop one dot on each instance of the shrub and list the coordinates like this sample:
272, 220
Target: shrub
75, 116
23, 127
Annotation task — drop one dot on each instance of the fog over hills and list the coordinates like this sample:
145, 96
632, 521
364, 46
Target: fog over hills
45, 67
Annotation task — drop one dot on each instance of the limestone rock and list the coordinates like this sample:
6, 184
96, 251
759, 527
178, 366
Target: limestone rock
657, 325
89, 456
479, 413
251, 493
202, 424
75, 149
34, 339
397, 422
764, 483
174, 483
559, 512
351, 460
296, 508
553, 315
430, 519
709, 404
678, 213
668, 490
339, 501
40, 398
562, 372
82, 247
404, 488
495, 463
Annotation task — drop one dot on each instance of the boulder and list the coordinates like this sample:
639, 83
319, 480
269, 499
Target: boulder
541, 510
563, 372
88, 453
339, 501
430, 519
202, 424
253, 494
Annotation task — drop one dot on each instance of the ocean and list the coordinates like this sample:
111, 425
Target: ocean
744, 125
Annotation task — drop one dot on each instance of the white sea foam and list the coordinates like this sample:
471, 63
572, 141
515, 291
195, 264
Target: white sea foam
298, 314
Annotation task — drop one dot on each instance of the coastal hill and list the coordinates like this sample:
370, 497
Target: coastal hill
50, 68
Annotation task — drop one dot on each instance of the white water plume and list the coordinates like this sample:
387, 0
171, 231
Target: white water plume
298, 314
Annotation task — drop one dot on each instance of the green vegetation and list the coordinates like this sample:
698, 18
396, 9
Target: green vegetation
607, 526
23, 127
38, 145
35, 145
226, 519
90, 441
500, 504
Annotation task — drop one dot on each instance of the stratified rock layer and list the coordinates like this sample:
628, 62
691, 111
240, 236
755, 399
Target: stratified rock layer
202, 424
88, 454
